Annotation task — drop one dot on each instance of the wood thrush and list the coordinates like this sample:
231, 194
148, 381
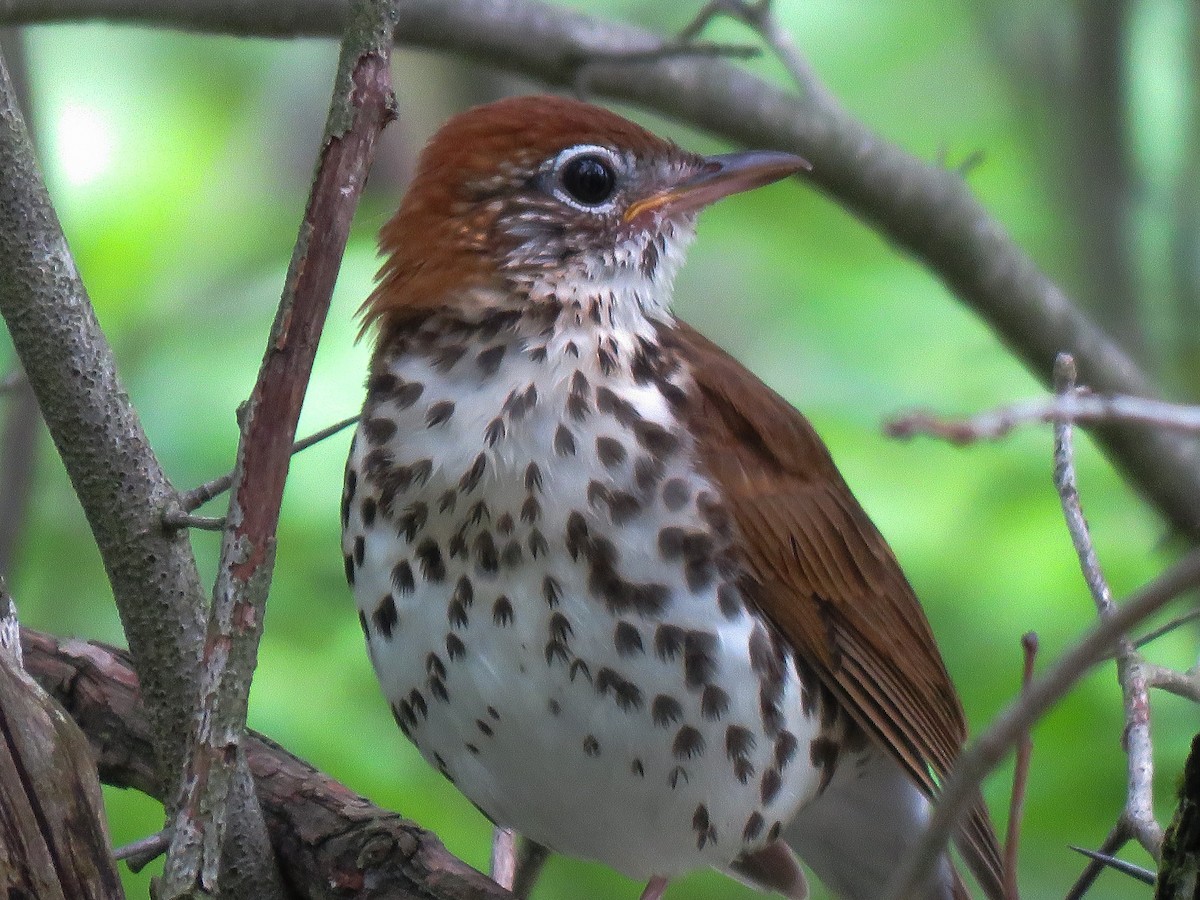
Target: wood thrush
612, 585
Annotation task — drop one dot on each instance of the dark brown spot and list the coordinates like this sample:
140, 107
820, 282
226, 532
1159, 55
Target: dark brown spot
360, 549
688, 743
385, 616
607, 361
578, 407
699, 658
769, 789
484, 727
489, 360
381, 383
675, 494
619, 408
564, 441
571, 349
362, 623
429, 555
533, 477
628, 696
627, 639
714, 703
666, 711
579, 667
551, 590
464, 593
471, 748
560, 628
434, 666
557, 650
437, 687
369, 508
479, 512
494, 432
705, 831
349, 561
769, 697
637, 768
402, 713
677, 773
610, 451
406, 393
537, 543
491, 711
455, 648
447, 501
668, 641
729, 601
754, 827
785, 749
823, 753
417, 700
591, 746
647, 472
531, 510
577, 534
413, 520
739, 744
502, 611
456, 612
487, 558
505, 524
472, 476
439, 413
511, 556
654, 438
773, 834
379, 430
448, 356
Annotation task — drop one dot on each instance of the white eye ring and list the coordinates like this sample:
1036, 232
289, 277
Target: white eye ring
575, 152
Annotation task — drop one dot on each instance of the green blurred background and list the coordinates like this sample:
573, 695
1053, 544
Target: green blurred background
180, 166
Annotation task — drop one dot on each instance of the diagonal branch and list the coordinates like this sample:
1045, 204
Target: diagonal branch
362, 104
1043, 693
925, 210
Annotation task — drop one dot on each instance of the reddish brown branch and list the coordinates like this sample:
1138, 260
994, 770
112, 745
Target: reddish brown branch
362, 105
331, 842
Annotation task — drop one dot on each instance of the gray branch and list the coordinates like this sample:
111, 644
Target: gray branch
923, 209
115, 474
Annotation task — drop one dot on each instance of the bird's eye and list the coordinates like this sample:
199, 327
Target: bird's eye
589, 180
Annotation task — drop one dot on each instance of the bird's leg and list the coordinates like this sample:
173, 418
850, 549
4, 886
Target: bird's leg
531, 857
655, 888
504, 857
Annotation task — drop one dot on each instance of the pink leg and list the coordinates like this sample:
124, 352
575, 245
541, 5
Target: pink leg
504, 857
655, 888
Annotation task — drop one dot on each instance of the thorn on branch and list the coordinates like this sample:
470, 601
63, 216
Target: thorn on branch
1145, 876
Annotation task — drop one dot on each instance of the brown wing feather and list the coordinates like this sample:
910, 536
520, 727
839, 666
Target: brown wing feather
827, 578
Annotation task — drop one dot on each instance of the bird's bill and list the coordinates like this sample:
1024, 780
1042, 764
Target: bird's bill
719, 176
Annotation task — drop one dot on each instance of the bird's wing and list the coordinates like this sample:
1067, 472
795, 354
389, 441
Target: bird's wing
827, 579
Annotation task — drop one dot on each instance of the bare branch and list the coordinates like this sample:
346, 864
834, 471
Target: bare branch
362, 104
141, 853
1016, 807
198, 496
994, 744
924, 209
1078, 406
331, 840
1145, 876
1177, 622
1138, 815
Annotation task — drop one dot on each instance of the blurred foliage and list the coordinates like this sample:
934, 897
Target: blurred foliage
180, 166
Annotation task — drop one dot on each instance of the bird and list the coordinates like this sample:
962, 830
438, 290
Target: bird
612, 585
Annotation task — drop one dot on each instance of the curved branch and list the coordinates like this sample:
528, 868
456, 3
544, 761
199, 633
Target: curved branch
926, 211
331, 841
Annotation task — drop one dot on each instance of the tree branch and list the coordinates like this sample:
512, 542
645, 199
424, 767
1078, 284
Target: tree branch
332, 842
362, 104
995, 743
925, 210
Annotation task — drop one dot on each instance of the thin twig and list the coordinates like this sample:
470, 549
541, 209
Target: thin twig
1079, 406
142, 852
1145, 876
1176, 622
986, 753
1016, 807
201, 494
1139, 803
362, 104
1116, 839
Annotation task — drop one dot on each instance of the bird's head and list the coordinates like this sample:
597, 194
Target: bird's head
533, 198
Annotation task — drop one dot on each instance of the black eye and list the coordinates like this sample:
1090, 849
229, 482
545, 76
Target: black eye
588, 179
